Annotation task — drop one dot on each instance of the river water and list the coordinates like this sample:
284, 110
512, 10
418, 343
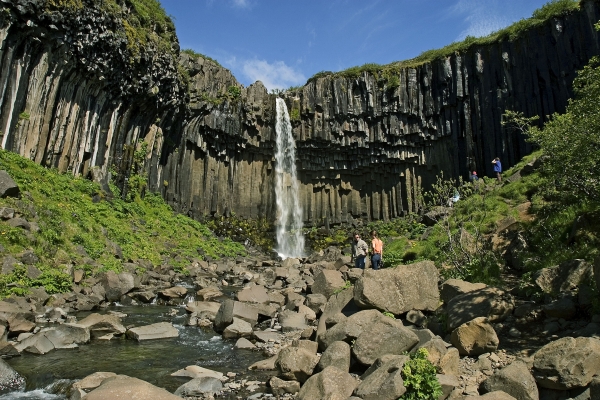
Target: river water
48, 376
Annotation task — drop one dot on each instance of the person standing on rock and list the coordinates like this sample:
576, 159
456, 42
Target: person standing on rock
376, 249
359, 251
497, 168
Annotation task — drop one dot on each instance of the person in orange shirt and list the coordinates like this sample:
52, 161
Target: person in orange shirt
376, 250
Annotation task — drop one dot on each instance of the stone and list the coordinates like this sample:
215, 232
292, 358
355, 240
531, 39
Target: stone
448, 384
243, 343
497, 395
279, 387
515, 380
384, 380
204, 309
266, 365
224, 316
492, 303
336, 355
417, 283
10, 380
309, 345
309, 315
475, 337
327, 282
316, 302
65, 336
295, 363
92, 381
115, 285
416, 318
350, 328
175, 292
8, 187
36, 344
386, 336
267, 336
567, 363
208, 293
455, 287
103, 324
199, 387
253, 294
195, 371
160, 330
292, 321
562, 308
568, 275
125, 387
331, 383
238, 328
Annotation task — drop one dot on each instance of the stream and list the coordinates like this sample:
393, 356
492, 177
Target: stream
50, 376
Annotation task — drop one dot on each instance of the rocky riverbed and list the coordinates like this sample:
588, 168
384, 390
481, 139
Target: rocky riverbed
255, 328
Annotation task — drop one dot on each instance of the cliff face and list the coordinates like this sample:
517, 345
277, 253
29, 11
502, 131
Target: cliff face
71, 98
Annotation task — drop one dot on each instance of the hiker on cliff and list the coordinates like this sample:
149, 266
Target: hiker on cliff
497, 168
376, 250
359, 251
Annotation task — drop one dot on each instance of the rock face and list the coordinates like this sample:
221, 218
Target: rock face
75, 102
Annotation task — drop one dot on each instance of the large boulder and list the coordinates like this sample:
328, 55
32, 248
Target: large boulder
103, 324
10, 380
295, 363
444, 358
280, 387
239, 328
198, 387
327, 282
8, 187
475, 337
387, 336
568, 275
398, 290
383, 380
203, 309
493, 303
115, 285
224, 316
253, 294
337, 355
160, 330
515, 379
65, 336
567, 363
350, 328
125, 387
455, 287
292, 321
329, 384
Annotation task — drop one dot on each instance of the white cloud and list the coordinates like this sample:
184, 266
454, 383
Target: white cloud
481, 18
241, 3
276, 75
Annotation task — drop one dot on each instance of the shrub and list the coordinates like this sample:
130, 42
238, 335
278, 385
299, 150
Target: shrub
420, 379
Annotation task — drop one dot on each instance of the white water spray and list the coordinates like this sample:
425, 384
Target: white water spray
290, 240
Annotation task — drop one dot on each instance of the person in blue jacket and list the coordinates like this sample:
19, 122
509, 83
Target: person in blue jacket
497, 168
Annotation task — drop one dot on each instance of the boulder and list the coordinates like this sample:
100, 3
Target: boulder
115, 285
103, 324
386, 336
195, 371
125, 387
90, 382
10, 380
8, 187
329, 384
398, 290
561, 308
455, 287
224, 316
595, 389
475, 337
238, 328
515, 380
203, 309
160, 330
198, 387
244, 343
567, 363
294, 363
245, 311
444, 358
497, 395
327, 282
335, 304
267, 336
350, 328
292, 321
279, 387
36, 344
316, 302
266, 365
208, 293
65, 336
175, 292
493, 303
337, 355
253, 294
568, 275
448, 384
383, 381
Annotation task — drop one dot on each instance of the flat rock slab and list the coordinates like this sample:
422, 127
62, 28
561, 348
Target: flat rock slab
122, 387
266, 336
161, 330
194, 371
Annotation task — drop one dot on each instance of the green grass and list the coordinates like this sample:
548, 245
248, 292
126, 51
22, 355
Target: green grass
195, 54
61, 205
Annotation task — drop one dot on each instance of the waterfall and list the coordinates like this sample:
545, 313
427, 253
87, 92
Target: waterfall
290, 240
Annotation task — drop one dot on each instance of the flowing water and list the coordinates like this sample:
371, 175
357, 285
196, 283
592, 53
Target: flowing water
48, 376
290, 240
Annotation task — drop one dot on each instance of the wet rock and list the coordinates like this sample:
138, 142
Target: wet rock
103, 324
417, 282
331, 383
515, 380
65, 336
475, 337
160, 330
567, 362
10, 380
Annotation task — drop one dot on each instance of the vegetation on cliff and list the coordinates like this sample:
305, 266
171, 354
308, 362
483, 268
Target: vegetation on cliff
387, 74
76, 225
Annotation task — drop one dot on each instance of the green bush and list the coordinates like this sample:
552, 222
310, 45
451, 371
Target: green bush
420, 379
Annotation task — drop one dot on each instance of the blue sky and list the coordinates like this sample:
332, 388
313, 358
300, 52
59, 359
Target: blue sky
283, 43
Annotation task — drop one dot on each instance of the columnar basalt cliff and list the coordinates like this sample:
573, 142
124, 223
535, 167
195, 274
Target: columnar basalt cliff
74, 96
